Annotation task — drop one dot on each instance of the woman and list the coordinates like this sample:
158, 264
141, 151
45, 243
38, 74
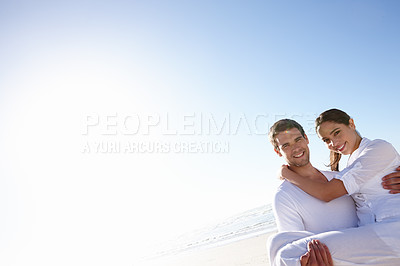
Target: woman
377, 240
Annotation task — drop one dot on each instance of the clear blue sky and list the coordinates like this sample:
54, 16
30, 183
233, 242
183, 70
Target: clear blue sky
62, 61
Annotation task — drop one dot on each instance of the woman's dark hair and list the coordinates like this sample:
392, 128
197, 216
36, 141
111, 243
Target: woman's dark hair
337, 116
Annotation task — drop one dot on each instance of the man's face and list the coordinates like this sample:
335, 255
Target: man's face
293, 147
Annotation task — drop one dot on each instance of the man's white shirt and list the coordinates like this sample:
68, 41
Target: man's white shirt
295, 210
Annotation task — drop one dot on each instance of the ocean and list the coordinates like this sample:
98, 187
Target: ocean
250, 223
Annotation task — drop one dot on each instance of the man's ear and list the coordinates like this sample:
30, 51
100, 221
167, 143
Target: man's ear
306, 138
351, 124
278, 152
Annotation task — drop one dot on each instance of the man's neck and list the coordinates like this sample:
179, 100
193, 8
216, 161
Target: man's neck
307, 171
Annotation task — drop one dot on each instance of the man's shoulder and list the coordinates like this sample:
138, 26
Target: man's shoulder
283, 193
285, 189
284, 186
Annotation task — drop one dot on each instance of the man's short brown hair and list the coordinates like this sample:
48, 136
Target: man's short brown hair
280, 126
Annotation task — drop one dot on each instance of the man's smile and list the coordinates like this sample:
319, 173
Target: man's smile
298, 155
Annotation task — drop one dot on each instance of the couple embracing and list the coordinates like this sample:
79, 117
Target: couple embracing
347, 217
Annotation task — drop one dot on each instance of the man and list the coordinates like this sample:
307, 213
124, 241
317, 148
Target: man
300, 213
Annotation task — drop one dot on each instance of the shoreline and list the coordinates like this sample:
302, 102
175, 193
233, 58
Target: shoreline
251, 251
202, 246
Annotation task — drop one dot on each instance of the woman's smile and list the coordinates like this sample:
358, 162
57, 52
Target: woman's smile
341, 148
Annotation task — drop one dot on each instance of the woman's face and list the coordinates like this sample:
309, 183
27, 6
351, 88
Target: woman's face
339, 138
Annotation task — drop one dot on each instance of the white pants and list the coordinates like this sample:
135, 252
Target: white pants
373, 244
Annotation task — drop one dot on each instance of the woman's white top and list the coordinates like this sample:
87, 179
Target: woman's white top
362, 179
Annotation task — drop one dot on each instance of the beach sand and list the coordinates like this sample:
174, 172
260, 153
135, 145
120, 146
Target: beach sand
247, 252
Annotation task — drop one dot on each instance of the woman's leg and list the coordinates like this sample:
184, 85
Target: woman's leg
354, 246
279, 240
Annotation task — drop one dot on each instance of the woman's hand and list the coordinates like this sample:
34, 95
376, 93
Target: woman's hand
286, 173
280, 172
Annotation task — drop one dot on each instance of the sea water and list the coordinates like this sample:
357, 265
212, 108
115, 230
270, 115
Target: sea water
250, 223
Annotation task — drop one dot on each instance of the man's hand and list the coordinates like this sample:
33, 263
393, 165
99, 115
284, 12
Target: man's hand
317, 255
392, 182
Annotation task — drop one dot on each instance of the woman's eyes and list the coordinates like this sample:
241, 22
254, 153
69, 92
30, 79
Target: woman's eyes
334, 134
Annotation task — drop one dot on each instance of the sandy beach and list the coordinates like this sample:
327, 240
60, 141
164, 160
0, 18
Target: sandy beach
250, 252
